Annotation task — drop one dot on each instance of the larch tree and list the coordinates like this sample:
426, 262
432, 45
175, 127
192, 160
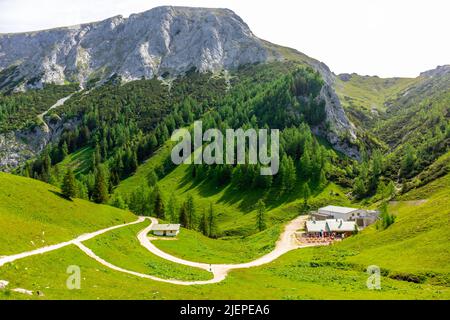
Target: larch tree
260, 215
212, 223
184, 221
203, 226
158, 204
100, 192
69, 186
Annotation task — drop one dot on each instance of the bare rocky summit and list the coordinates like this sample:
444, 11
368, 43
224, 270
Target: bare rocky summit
164, 40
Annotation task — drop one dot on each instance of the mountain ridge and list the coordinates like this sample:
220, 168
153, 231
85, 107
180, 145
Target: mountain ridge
163, 40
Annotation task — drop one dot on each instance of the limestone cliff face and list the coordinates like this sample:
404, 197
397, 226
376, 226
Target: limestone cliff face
338, 129
18, 147
164, 40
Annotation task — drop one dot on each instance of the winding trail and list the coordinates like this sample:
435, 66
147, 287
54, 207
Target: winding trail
58, 103
84, 237
286, 243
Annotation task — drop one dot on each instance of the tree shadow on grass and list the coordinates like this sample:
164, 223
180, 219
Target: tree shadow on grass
59, 194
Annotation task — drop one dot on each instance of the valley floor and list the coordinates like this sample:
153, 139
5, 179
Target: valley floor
46, 273
285, 244
121, 262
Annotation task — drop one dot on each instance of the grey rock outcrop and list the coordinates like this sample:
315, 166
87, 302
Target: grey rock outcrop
153, 43
338, 129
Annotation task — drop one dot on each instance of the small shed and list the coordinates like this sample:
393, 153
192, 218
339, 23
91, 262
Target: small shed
166, 230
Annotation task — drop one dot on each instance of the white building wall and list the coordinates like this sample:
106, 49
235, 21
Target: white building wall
167, 233
342, 216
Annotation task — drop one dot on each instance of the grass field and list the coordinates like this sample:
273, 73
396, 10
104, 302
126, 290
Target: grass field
409, 250
292, 276
80, 162
414, 248
194, 246
122, 248
34, 214
370, 93
413, 253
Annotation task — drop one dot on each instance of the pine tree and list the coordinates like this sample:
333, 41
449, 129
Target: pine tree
46, 166
376, 169
190, 211
100, 192
118, 202
158, 207
306, 193
387, 219
390, 190
305, 164
172, 208
212, 223
82, 190
409, 160
64, 151
152, 178
260, 215
69, 187
184, 221
97, 155
359, 187
203, 226
288, 174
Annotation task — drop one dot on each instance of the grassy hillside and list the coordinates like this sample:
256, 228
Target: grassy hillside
193, 246
122, 248
293, 276
235, 208
34, 214
370, 93
80, 162
415, 247
412, 254
365, 98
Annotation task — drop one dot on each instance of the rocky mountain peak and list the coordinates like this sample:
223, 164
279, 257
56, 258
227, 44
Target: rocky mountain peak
163, 40
439, 71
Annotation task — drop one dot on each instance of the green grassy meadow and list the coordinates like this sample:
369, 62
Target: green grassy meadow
371, 93
414, 247
412, 254
193, 246
122, 248
292, 276
34, 214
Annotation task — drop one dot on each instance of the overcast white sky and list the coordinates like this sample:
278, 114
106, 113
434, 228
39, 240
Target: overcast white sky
382, 37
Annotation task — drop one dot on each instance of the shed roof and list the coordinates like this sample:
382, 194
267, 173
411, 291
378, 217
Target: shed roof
166, 227
338, 225
316, 226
